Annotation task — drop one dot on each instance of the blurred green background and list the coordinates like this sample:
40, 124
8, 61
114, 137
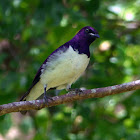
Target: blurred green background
31, 29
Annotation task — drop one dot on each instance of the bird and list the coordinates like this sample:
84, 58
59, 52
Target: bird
63, 66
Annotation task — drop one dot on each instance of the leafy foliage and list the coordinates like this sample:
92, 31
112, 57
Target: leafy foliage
31, 30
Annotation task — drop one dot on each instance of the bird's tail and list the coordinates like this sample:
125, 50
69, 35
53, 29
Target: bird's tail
23, 98
33, 93
23, 112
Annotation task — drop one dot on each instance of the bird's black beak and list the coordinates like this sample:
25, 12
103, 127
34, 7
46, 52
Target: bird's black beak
95, 35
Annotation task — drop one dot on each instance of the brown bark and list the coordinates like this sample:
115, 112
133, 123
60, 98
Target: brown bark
69, 97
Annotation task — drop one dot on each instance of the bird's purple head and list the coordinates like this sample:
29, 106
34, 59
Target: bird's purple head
87, 34
82, 40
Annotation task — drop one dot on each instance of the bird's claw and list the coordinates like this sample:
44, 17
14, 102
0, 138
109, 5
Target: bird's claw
77, 91
47, 98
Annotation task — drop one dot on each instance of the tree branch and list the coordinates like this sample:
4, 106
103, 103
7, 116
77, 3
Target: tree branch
70, 97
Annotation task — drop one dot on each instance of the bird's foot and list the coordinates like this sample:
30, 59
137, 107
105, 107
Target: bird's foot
47, 98
76, 90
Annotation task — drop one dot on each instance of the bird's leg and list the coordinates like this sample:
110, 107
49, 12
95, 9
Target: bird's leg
45, 95
77, 90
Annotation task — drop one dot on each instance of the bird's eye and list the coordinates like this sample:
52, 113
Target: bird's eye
87, 30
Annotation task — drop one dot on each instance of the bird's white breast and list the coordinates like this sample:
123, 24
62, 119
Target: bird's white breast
64, 68
61, 70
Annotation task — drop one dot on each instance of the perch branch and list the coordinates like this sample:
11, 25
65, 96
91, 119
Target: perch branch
69, 97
